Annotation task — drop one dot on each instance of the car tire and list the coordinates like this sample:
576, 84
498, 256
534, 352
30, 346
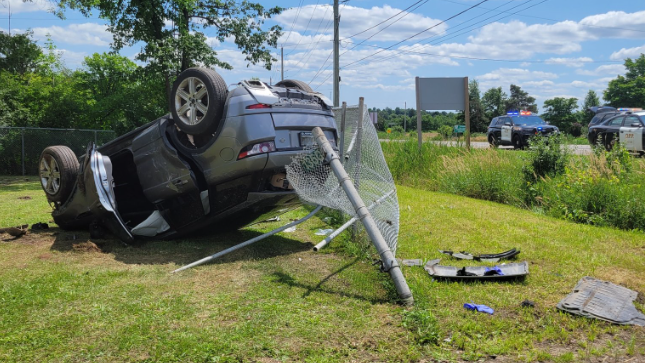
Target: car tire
609, 141
58, 169
197, 100
517, 143
292, 83
492, 140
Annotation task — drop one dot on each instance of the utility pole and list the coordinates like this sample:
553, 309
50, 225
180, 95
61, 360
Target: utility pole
282, 63
336, 56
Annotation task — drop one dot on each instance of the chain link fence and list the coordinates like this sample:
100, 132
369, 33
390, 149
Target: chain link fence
20, 147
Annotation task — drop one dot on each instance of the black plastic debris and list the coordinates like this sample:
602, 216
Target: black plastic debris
603, 300
494, 257
39, 226
501, 272
527, 304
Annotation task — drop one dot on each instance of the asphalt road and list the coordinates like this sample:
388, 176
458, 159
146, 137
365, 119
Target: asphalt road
575, 149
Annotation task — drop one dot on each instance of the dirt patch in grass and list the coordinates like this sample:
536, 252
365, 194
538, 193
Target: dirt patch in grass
26, 197
86, 247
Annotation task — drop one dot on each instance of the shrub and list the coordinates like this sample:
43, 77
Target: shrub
575, 129
547, 157
445, 131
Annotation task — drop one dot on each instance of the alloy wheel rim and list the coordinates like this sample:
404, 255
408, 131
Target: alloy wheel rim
49, 174
191, 101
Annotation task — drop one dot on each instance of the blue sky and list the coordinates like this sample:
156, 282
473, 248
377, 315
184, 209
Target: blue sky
551, 48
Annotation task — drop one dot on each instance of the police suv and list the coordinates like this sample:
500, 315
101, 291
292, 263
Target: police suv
626, 128
516, 128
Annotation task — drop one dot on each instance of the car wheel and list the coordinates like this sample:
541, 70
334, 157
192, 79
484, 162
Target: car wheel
610, 141
492, 140
517, 142
58, 168
292, 83
197, 100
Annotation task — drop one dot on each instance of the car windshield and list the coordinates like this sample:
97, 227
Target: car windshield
527, 120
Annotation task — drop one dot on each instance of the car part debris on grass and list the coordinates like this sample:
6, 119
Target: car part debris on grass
502, 272
39, 226
14, 232
494, 257
603, 300
479, 307
324, 232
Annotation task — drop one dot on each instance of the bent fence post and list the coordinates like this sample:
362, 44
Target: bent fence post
387, 257
251, 241
335, 233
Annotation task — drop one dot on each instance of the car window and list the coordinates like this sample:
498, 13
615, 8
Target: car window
503, 120
616, 121
493, 122
596, 119
528, 120
629, 120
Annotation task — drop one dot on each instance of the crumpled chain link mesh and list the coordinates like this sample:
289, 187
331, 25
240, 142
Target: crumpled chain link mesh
315, 182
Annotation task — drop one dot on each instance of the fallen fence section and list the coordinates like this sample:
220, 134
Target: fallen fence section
389, 262
251, 241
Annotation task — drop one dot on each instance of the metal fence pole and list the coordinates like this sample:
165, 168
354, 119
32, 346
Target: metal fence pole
22, 135
387, 257
359, 142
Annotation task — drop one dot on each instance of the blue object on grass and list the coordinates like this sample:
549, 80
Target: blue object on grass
480, 308
493, 271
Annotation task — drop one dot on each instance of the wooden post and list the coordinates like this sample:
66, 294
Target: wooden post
419, 132
467, 112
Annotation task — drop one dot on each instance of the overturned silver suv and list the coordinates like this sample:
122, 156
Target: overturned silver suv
216, 162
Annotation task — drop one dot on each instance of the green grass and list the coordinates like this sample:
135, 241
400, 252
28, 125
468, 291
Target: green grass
278, 301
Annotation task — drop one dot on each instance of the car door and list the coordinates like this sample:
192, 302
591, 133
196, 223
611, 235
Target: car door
507, 129
631, 133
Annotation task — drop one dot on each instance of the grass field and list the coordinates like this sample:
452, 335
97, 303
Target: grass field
64, 298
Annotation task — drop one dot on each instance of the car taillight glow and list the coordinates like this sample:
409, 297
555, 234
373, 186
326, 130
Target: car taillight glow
257, 106
261, 148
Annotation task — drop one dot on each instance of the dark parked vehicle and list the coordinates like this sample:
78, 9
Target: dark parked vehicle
216, 162
626, 128
516, 128
601, 114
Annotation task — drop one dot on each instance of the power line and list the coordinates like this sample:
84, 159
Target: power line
559, 21
372, 27
418, 46
385, 27
306, 28
414, 35
294, 20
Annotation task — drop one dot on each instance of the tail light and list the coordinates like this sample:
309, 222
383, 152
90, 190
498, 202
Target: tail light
257, 106
261, 148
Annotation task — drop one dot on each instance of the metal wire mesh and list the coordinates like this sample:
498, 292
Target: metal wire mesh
314, 181
20, 147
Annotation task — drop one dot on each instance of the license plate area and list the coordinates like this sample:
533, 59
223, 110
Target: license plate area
306, 139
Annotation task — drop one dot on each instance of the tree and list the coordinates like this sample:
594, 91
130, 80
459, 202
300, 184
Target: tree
520, 100
560, 112
171, 30
628, 90
494, 102
478, 119
591, 99
18, 53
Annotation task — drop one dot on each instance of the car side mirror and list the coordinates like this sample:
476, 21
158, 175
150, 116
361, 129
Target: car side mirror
507, 123
637, 124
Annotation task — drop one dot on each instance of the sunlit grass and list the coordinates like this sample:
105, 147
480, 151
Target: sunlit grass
278, 301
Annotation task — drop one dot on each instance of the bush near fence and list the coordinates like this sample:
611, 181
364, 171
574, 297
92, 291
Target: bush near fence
20, 147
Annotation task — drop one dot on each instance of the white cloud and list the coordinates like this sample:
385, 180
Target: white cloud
606, 69
515, 75
570, 62
318, 19
615, 24
20, 6
78, 34
72, 59
628, 53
